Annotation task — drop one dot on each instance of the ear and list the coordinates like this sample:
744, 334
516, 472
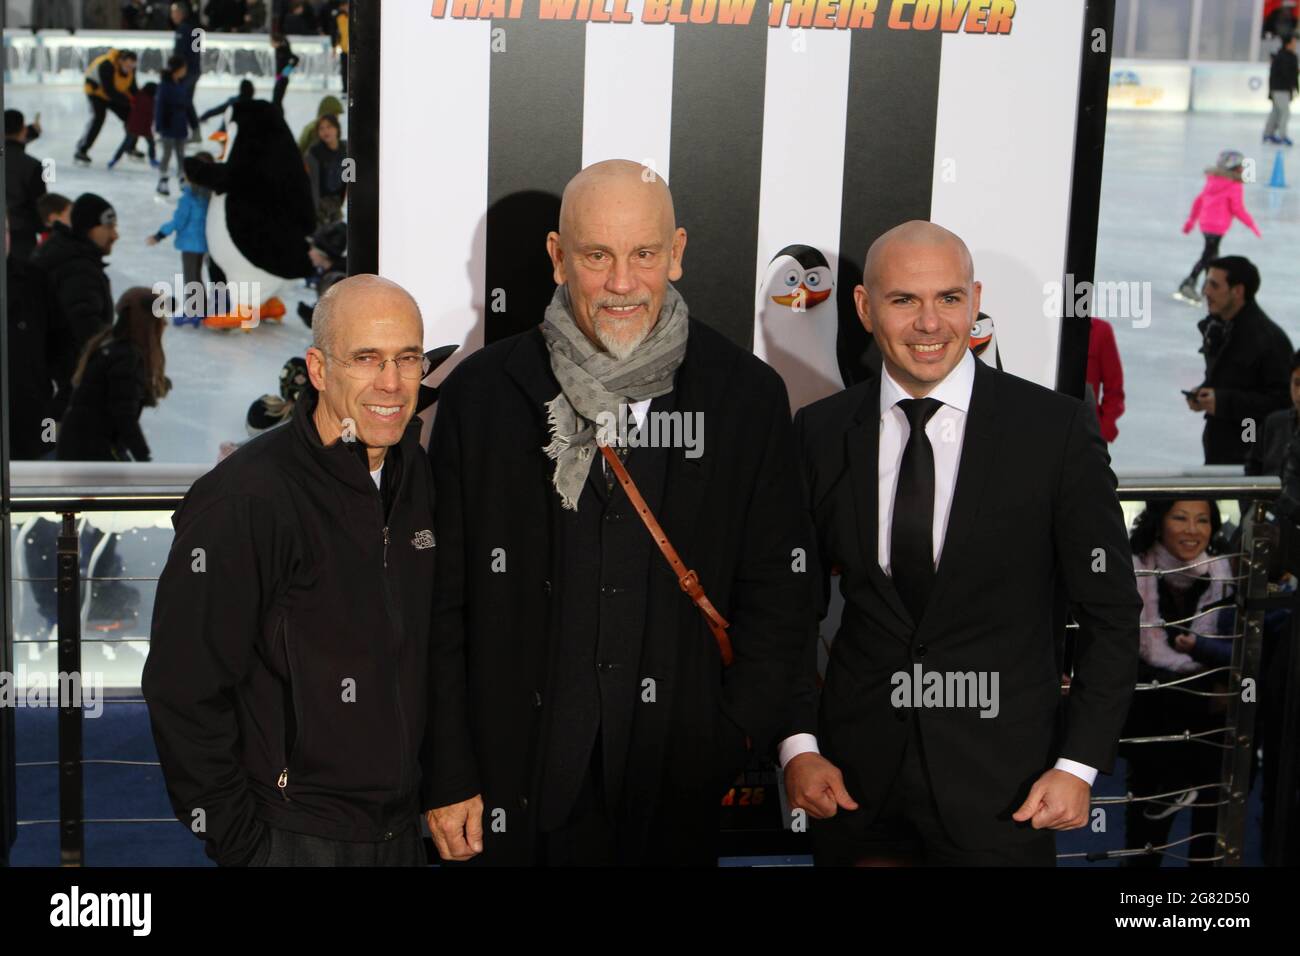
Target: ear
556, 252
863, 303
316, 368
675, 255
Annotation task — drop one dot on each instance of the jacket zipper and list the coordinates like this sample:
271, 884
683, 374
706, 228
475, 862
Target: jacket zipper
395, 622
282, 782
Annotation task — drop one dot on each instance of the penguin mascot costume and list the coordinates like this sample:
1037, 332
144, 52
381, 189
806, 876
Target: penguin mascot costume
260, 214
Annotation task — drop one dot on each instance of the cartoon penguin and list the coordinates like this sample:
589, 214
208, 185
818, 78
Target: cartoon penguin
261, 212
983, 341
796, 323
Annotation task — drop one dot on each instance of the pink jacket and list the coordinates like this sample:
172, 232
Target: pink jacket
1218, 202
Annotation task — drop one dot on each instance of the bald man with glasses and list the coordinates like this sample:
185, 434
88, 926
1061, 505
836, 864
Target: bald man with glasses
286, 679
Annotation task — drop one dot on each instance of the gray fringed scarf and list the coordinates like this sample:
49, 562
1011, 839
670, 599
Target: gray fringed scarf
593, 381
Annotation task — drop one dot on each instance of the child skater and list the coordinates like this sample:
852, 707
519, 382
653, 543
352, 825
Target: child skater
1219, 201
190, 225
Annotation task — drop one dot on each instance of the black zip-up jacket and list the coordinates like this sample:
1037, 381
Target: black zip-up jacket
1247, 364
286, 679
76, 267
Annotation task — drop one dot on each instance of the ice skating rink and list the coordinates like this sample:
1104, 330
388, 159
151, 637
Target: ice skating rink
215, 374
1154, 168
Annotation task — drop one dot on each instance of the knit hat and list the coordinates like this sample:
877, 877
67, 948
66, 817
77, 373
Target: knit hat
90, 211
14, 122
1228, 165
293, 379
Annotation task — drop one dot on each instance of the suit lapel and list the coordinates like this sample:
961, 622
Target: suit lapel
698, 382
978, 449
863, 441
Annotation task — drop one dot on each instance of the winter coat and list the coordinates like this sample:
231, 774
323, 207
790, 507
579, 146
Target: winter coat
190, 223
139, 122
172, 109
76, 267
288, 684
41, 360
1106, 376
1214, 208
24, 184
1284, 74
103, 420
1249, 370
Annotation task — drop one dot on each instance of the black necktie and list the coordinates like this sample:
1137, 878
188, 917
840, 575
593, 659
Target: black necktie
911, 539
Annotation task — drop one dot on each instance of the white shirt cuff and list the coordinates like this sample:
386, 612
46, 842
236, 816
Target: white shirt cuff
794, 745
1081, 770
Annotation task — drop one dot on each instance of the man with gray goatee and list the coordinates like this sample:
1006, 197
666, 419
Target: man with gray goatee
586, 709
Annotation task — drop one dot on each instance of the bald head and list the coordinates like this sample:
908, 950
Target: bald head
353, 300
617, 249
615, 181
910, 235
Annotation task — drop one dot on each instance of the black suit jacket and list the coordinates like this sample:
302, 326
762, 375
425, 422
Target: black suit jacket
733, 513
1034, 507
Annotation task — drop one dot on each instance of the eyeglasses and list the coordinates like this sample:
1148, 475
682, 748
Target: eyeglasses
370, 366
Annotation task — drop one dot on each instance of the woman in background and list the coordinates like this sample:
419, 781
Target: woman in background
1186, 629
121, 372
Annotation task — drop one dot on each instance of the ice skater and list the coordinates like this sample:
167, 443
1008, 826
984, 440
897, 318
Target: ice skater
1283, 82
285, 62
171, 117
139, 125
109, 85
1220, 200
190, 223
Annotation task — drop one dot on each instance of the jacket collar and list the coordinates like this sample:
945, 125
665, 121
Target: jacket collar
347, 461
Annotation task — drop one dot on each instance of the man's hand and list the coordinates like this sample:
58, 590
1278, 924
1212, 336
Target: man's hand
457, 829
1205, 400
1058, 800
814, 784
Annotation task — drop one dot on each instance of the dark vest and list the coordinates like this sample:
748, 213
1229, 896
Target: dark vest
605, 558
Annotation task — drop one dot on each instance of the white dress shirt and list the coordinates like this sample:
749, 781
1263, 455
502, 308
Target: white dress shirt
946, 429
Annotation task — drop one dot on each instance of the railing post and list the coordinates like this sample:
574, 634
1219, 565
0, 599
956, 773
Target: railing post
1280, 851
1253, 587
71, 795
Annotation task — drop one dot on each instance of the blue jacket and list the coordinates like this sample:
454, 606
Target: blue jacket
170, 109
189, 223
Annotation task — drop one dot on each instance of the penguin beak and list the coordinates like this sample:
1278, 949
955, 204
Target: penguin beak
978, 345
220, 137
809, 297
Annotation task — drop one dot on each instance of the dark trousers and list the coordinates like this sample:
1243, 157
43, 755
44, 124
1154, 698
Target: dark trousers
1209, 253
277, 97
98, 110
909, 832
343, 69
128, 145
589, 837
191, 114
285, 848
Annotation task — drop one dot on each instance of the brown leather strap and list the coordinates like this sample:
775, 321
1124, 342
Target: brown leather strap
688, 580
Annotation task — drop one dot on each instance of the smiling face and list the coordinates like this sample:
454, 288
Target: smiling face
919, 301
366, 320
616, 251
1185, 531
